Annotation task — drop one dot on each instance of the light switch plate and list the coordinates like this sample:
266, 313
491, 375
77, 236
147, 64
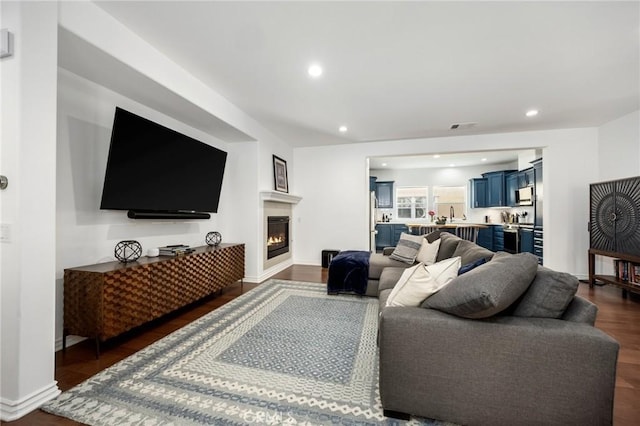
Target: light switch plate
5, 233
6, 43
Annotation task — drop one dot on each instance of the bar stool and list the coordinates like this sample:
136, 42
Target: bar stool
427, 229
467, 233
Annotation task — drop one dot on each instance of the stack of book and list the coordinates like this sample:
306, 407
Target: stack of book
627, 271
175, 250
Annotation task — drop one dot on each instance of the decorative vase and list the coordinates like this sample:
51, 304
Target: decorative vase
213, 238
127, 251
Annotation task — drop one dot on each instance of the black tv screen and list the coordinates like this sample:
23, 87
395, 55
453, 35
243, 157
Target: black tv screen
154, 169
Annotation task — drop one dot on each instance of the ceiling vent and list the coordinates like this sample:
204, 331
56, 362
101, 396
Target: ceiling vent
463, 126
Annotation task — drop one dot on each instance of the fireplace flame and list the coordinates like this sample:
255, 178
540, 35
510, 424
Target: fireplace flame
279, 239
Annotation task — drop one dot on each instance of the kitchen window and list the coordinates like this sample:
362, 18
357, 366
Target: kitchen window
411, 202
450, 200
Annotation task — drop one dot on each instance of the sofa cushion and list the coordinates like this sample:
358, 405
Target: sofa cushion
487, 289
448, 245
581, 310
377, 263
428, 252
389, 278
421, 281
407, 248
548, 295
382, 298
470, 252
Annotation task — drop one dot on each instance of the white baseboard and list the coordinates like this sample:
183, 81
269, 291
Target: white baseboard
274, 270
307, 262
13, 410
253, 280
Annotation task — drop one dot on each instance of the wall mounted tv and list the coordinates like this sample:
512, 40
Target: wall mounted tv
156, 172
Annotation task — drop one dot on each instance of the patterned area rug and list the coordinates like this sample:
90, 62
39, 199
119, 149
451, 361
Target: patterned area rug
283, 353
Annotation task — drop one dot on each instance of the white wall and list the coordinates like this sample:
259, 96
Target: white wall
254, 162
87, 235
28, 81
33, 262
619, 157
334, 183
619, 148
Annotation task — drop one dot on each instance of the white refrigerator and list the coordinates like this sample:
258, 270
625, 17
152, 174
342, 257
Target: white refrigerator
373, 205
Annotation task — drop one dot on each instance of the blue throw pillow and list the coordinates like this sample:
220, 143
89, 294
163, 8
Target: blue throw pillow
472, 265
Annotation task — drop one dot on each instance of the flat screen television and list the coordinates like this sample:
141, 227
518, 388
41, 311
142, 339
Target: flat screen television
157, 172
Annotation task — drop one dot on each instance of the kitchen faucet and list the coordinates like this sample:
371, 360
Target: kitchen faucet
451, 213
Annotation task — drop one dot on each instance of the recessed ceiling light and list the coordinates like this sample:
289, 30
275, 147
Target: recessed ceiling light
452, 165
436, 156
532, 113
342, 129
484, 159
315, 70
384, 164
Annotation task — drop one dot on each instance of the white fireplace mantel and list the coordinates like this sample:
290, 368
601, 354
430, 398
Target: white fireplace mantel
279, 197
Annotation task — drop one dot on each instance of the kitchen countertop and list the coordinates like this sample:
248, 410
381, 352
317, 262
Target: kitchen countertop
517, 225
449, 225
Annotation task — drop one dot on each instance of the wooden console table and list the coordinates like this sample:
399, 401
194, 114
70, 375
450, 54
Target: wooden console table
104, 300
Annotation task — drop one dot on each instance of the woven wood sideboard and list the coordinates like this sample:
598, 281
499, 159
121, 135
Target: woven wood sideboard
106, 299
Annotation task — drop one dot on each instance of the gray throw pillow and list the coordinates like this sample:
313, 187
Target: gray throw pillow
487, 289
448, 244
407, 248
470, 252
432, 236
548, 295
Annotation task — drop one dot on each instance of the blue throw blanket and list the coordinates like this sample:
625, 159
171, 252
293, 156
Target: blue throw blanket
349, 272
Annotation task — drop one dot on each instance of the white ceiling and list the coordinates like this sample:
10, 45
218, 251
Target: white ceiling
397, 70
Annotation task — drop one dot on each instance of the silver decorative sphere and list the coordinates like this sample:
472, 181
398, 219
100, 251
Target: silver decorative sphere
213, 238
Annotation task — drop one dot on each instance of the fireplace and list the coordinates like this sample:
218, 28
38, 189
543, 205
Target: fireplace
277, 235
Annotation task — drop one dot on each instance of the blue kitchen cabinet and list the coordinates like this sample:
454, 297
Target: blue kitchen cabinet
398, 229
496, 188
526, 240
537, 205
477, 193
526, 177
498, 238
491, 238
512, 182
384, 235
389, 234
384, 194
485, 238
372, 183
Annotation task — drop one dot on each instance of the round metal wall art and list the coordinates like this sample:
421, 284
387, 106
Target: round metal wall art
213, 238
128, 251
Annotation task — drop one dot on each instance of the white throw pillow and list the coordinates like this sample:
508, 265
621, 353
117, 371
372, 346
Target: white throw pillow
419, 282
428, 252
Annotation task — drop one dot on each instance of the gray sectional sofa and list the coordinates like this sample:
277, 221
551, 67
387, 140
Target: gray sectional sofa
507, 343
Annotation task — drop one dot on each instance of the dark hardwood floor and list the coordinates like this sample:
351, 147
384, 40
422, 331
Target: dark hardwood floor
618, 317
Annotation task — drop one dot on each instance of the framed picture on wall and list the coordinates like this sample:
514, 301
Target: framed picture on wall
280, 174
